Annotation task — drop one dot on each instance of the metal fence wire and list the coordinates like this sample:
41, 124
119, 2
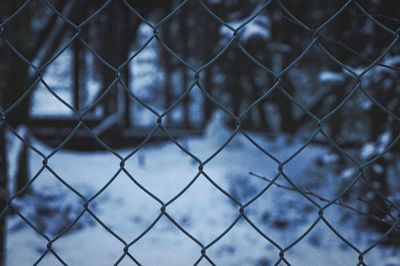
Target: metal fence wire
316, 40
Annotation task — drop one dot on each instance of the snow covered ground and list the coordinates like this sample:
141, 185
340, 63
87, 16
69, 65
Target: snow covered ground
202, 210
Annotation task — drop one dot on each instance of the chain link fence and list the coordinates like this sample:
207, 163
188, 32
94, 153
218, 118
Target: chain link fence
10, 117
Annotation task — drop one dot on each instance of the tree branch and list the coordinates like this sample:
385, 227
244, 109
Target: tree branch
338, 202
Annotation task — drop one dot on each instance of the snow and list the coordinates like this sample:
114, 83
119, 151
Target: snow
385, 138
368, 150
216, 129
57, 79
330, 76
348, 173
202, 210
330, 158
377, 72
258, 27
378, 168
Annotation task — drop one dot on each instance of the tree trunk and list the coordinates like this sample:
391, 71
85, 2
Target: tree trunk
378, 172
336, 121
127, 99
78, 61
109, 45
17, 80
259, 108
378, 206
117, 36
285, 109
184, 37
168, 71
22, 175
208, 106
